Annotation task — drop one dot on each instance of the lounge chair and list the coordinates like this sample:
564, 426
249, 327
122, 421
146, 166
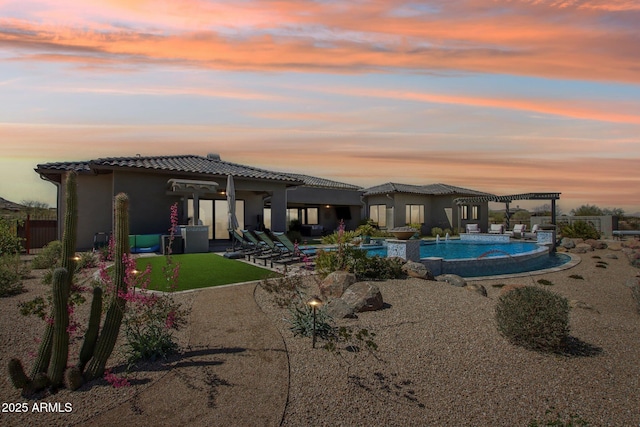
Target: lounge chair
496, 229
473, 228
291, 247
262, 252
518, 231
277, 253
533, 234
246, 247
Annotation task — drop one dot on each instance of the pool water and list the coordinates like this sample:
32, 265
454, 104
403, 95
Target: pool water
456, 249
480, 259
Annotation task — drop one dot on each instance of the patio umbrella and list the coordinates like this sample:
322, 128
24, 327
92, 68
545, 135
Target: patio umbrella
231, 201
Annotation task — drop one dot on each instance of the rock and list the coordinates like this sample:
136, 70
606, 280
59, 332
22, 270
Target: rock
611, 256
587, 247
477, 288
508, 288
363, 296
452, 279
614, 247
561, 249
631, 282
568, 243
578, 251
339, 309
596, 244
418, 270
334, 285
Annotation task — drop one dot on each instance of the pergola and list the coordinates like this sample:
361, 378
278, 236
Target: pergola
510, 198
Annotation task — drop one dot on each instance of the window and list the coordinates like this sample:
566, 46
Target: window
378, 214
414, 214
304, 215
312, 216
475, 212
464, 212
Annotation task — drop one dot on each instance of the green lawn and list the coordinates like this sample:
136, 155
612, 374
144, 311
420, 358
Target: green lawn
202, 271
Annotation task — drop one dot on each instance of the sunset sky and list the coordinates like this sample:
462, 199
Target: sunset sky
499, 96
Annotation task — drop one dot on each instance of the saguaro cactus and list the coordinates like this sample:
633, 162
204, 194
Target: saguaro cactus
113, 319
60, 344
68, 250
91, 335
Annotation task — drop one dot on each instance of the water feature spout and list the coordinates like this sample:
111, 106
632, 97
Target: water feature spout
437, 238
446, 237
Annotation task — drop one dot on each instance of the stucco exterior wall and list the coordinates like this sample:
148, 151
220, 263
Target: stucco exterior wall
95, 207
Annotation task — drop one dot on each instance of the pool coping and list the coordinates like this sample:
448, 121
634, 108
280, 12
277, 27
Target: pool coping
575, 260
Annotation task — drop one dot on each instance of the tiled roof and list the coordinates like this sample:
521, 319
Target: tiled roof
313, 181
210, 165
8, 205
431, 189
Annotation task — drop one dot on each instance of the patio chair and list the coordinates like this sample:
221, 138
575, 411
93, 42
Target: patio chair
533, 234
518, 231
246, 247
496, 229
291, 247
473, 228
274, 252
262, 249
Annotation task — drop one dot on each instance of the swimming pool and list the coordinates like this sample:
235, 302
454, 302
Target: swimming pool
481, 259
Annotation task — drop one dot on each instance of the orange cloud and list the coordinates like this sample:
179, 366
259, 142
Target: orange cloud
558, 40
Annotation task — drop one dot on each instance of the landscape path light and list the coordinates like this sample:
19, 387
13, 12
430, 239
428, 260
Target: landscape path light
314, 302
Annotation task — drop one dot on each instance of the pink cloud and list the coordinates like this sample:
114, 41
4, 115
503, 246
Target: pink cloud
524, 38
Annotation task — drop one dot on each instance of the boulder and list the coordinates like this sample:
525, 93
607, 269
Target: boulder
334, 285
477, 288
611, 256
574, 303
567, 243
339, 309
614, 247
418, 270
596, 244
581, 250
363, 296
587, 247
452, 279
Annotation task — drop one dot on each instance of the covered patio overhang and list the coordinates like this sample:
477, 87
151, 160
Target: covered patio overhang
193, 188
510, 198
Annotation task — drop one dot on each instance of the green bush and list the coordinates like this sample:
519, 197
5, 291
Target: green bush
580, 230
436, 231
49, 257
377, 268
12, 271
534, 318
336, 238
356, 261
295, 236
9, 241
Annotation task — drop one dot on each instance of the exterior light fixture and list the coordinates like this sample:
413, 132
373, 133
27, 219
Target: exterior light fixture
327, 206
314, 302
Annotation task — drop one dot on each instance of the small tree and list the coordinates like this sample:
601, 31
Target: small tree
587, 210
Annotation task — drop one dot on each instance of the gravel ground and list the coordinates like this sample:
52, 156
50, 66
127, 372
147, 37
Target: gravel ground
440, 361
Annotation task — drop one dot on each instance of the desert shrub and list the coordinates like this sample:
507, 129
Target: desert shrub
580, 230
377, 268
87, 260
12, 271
9, 241
339, 237
49, 257
437, 231
284, 290
295, 236
301, 319
534, 318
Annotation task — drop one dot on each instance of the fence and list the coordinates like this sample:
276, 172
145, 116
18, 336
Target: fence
37, 231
